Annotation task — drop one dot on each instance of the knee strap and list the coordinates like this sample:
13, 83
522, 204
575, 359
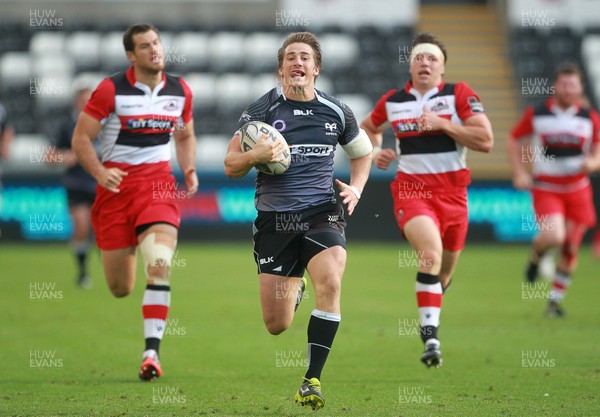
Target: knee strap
155, 254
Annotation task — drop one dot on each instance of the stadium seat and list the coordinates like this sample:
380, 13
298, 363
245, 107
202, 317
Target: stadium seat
590, 46
211, 150
194, 48
88, 79
263, 83
260, 51
324, 84
340, 51
84, 48
226, 51
203, 89
360, 104
112, 54
53, 65
47, 43
15, 69
52, 93
25, 147
233, 91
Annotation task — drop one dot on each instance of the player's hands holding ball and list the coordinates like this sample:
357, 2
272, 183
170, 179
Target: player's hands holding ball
265, 150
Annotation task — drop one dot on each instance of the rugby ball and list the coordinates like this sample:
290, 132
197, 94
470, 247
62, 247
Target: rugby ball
251, 132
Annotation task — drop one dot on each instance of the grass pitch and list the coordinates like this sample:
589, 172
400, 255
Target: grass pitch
70, 352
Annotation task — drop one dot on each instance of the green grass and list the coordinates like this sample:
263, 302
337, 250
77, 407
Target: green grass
220, 361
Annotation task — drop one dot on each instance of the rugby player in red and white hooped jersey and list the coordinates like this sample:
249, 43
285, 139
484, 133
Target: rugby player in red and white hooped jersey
137, 113
434, 123
563, 151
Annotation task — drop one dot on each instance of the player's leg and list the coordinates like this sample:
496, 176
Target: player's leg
326, 269
552, 234
157, 242
323, 253
449, 262
424, 236
278, 298
81, 218
119, 270
565, 267
596, 243
549, 215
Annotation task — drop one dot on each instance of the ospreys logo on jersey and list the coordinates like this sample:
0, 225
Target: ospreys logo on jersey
331, 129
156, 124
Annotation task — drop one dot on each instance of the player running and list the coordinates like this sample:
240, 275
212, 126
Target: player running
435, 122
299, 224
564, 151
138, 112
79, 185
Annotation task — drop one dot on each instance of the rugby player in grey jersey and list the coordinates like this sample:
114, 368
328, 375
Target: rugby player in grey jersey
299, 224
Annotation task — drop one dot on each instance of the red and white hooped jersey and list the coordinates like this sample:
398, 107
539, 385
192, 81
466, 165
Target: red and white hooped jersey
431, 158
560, 140
138, 123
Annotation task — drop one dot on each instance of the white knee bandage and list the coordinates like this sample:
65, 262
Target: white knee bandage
155, 254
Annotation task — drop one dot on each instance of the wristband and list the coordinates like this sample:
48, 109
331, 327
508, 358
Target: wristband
355, 191
375, 152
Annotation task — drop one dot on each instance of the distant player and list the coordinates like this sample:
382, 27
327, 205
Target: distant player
435, 122
80, 187
7, 134
300, 225
138, 112
564, 149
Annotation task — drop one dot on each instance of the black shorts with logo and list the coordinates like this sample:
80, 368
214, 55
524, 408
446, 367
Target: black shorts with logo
284, 242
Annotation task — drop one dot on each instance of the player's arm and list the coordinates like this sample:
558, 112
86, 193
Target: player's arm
522, 179
86, 129
591, 163
62, 148
7, 134
381, 157
476, 132
185, 147
239, 163
359, 151
520, 134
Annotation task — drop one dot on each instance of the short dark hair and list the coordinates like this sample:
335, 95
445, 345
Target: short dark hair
425, 37
134, 30
301, 37
568, 69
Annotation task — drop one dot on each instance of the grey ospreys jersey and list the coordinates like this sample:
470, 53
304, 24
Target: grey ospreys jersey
312, 130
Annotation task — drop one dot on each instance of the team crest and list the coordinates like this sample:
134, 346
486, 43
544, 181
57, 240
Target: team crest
171, 106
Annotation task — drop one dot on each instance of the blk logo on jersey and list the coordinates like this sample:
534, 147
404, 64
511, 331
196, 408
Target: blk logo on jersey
303, 112
267, 260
